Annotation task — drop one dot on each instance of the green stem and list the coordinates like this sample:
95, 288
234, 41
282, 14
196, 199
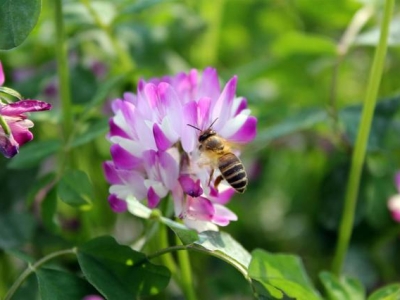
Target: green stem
186, 273
32, 268
167, 259
358, 156
63, 71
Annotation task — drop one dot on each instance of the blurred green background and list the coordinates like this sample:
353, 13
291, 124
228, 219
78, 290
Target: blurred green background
304, 84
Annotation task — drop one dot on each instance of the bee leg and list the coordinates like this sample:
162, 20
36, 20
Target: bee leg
217, 181
211, 175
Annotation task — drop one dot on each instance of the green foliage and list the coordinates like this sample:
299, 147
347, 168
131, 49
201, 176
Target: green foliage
306, 94
56, 284
17, 19
33, 154
15, 229
75, 189
281, 273
119, 272
342, 288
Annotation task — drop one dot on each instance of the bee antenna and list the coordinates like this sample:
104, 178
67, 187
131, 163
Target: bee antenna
193, 127
213, 123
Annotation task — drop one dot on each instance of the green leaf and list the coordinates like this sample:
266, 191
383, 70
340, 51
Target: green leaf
293, 43
15, 229
119, 272
10, 92
384, 112
222, 242
282, 272
344, 288
39, 185
186, 235
96, 129
75, 189
17, 19
33, 154
299, 121
49, 212
60, 285
388, 292
103, 91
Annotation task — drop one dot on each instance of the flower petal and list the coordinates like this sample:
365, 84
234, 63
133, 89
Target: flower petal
2, 77
161, 140
223, 195
241, 129
124, 159
169, 169
8, 146
199, 208
223, 215
209, 86
152, 198
189, 135
23, 106
190, 187
222, 106
21, 132
116, 204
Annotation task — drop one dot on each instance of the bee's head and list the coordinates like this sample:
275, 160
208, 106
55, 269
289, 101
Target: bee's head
206, 134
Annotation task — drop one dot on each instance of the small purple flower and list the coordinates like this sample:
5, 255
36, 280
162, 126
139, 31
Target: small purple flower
394, 201
155, 153
14, 125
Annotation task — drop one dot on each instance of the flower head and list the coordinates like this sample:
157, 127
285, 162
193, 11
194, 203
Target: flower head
394, 201
14, 125
155, 153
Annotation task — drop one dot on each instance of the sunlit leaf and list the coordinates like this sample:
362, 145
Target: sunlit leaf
344, 288
17, 19
75, 189
60, 285
32, 154
223, 243
283, 272
186, 235
119, 272
388, 292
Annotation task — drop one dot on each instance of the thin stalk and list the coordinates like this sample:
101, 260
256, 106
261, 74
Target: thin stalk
32, 268
358, 156
167, 258
186, 273
63, 71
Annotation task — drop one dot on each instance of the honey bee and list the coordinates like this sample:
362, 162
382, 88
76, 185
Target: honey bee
218, 152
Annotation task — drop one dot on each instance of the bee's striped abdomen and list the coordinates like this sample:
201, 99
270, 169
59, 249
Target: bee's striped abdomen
233, 172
